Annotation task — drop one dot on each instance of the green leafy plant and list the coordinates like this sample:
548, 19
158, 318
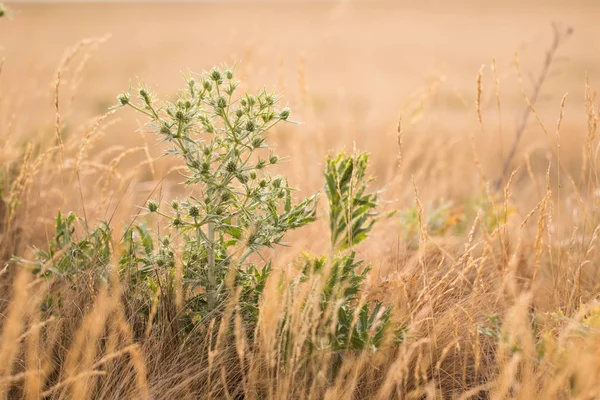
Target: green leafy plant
496, 329
138, 259
439, 219
351, 207
352, 215
494, 212
240, 208
67, 255
357, 327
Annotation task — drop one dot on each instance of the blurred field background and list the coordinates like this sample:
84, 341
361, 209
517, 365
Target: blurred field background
350, 70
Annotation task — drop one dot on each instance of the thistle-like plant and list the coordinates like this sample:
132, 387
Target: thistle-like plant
351, 207
67, 254
351, 218
240, 208
356, 327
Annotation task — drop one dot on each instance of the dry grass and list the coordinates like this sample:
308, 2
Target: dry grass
536, 269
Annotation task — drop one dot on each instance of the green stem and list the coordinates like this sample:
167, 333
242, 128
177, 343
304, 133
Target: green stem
212, 280
246, 254
141, 110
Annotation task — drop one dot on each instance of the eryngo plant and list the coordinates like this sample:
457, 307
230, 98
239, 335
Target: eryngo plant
351, 206
356, 327
221, 136
67, 254
352, 215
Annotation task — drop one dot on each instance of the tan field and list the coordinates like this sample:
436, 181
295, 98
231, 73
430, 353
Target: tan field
435, 91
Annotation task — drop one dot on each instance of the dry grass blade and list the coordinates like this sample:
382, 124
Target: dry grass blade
559, 36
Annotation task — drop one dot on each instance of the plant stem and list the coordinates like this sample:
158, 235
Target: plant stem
558, 39
212, 293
